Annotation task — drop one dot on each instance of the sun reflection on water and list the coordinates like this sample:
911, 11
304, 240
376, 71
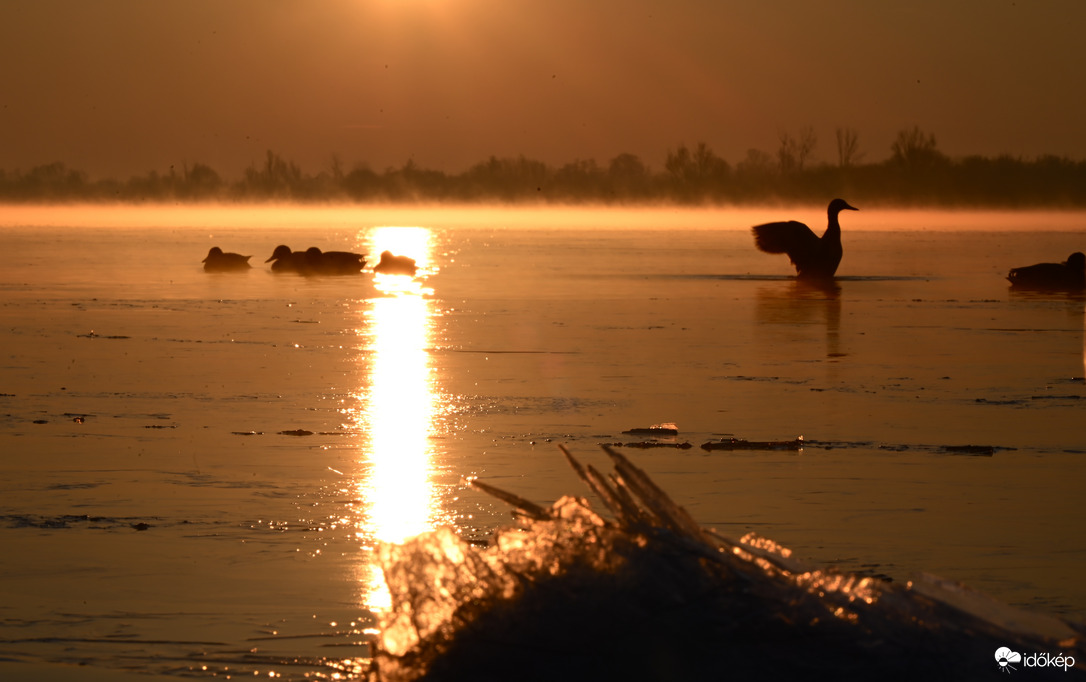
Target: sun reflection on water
399, 406
399, 414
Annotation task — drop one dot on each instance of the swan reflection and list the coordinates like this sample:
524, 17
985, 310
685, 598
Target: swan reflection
398, 409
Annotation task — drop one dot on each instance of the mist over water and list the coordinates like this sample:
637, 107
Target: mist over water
339, 217
248, 438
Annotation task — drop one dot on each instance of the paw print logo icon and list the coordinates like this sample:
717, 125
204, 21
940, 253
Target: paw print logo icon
1004, 657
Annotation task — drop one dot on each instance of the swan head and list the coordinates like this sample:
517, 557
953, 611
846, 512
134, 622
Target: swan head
838, 205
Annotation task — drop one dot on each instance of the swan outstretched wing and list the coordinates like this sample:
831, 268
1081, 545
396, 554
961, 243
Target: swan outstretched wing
791, 237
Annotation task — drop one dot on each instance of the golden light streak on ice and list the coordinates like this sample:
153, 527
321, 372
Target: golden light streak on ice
398, 409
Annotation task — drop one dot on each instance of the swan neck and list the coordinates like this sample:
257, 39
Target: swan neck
834, 227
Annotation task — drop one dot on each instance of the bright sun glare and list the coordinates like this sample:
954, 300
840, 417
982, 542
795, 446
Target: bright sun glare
399, 407
399, 415
413, 242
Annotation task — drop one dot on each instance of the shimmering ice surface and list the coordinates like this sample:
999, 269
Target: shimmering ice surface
197, 469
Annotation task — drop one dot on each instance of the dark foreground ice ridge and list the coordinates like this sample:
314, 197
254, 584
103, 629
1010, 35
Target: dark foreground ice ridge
646, 593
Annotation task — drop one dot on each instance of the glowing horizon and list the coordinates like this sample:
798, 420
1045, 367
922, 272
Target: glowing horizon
301, 217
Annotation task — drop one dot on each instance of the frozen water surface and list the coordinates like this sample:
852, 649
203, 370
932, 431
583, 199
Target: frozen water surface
196, 470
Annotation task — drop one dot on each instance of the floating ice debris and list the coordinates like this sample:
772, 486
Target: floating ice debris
665, 429
741, 444
67, 521
648, 444
648, 594
982, 450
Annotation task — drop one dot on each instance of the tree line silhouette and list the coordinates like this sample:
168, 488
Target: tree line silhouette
916, 173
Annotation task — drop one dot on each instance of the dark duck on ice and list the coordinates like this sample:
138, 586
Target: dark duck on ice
319, 262
814, 257
219, 261
285, 260
313, 261
1069, 275
395, 265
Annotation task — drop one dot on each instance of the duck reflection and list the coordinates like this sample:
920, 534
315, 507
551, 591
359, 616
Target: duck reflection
398, 414
804, 302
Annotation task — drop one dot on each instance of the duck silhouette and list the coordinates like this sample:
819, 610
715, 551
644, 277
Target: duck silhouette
314, 262
814, 257
285, 260
219, 261
319, 262
395, 265
1069, 275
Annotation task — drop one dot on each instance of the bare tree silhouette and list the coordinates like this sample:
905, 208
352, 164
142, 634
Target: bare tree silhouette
913, 148
794, 152
696, 172
848, 147
916, 173
628, 176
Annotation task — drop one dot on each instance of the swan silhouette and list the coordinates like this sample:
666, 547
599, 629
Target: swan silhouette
814, 257
1069, 275
219, 261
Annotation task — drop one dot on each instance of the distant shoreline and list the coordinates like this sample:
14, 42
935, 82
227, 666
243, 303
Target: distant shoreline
695, 178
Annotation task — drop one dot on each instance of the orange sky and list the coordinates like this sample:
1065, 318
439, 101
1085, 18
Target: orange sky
120, 87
